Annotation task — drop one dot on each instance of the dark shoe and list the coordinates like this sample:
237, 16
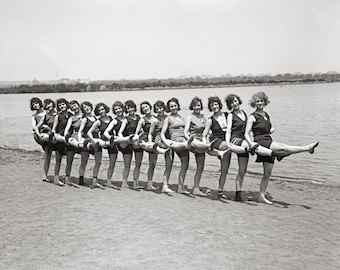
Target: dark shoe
238, 197
253, 149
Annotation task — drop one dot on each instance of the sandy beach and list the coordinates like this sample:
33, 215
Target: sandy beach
44, 226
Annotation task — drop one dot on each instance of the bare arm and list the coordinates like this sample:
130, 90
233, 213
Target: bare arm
152, 129
229, 126
37, 127
187, 126
81, 128
140, 124
122, 128
68, 126
206, 130
93, 128
109, 128
55, 123
163, 131
249, 127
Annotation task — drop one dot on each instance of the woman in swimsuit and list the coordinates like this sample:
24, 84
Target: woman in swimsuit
236, 125
58, 129
71, 139
259, 123
155, 136
175, 124
195, 126
111, 133
37, 106
217, 125
86, 123
102, 123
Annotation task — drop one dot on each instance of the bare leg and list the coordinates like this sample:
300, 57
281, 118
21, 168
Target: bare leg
47, 161
69, 161
98, 162
242, 168
58, 158
169, 159
112, 164
225, 163
200, 159
267, 171
294, 149
136, 170
151, 170
127, 164
183, 171
83, 162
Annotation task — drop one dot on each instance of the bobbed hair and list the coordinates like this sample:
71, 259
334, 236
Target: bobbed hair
144, 103
96, 109
172, 100
35, 100
260, 95
194, 101
159, 104
212, 100
130, 104
48, 101
87, 103
62, 100
117, 104
230, 99
74, 102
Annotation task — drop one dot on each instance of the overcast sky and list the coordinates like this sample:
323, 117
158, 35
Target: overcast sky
137, 39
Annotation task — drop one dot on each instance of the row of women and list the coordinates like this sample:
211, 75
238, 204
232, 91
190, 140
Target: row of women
69, 127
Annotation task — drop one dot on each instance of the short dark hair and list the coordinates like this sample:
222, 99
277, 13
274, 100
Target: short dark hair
131, 104
260, 95
35, 100
172, 100
85, 103
74, 102
230, 99
159, 104
48, 101
144, 103
212, 100
194, 101
96, 109
117, 104
62, 100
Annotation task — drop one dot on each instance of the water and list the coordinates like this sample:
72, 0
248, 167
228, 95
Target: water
300, 114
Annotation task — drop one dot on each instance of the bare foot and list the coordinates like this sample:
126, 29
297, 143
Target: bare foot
110, 185
58, 183
97, 185
166, 189
197, 191
182, 190
150, 187
124, 184
312, 147
262, 199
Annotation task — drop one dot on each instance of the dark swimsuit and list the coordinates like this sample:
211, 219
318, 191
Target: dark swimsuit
130, 129
261, 130
217, 132
95, 134
102, 127
237, 131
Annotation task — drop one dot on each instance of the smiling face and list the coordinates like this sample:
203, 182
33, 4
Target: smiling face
215, 107
130, 110
49, 106
235, 105
101, 111
36, 106
87, 109
62, 106
173, 107
259, 103
75, 107
146, 109
197, 107
118, 110
159, 110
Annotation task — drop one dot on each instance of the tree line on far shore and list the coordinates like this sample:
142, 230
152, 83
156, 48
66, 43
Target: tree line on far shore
192, 82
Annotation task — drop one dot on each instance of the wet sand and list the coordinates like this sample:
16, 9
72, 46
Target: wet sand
44, 226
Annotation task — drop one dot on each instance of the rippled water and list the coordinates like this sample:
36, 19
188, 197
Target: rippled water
300, 114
